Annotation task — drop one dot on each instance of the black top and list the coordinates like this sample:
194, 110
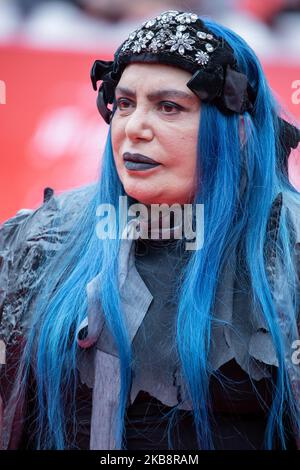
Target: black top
239, 412
238, 422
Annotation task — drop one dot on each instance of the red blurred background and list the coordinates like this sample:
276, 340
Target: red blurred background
51, 133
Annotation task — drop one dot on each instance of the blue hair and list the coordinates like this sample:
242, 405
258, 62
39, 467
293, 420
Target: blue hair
235, 220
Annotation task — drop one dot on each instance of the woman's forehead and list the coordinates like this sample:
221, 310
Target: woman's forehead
141, 76
154, 71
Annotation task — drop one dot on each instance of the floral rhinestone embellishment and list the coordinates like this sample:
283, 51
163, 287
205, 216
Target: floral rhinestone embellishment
165, 19
150, 23
139, 45
132, 36
149, 35
203, 35
209, 47
202, 57
174, 32
180, 42
163, 34
187, 18
155, 45
125, 46
167, 16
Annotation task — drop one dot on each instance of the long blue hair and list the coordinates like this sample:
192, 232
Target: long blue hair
235, 220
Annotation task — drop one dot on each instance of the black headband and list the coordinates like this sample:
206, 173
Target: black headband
180, 39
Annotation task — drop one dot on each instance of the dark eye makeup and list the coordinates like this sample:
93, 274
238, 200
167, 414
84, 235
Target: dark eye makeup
170, 104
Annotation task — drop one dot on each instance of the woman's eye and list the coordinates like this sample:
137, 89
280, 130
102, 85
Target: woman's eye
122, 103
169, 107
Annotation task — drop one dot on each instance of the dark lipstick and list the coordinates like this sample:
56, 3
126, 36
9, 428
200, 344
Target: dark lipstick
138, 162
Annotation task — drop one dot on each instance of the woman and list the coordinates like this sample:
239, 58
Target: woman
121, 335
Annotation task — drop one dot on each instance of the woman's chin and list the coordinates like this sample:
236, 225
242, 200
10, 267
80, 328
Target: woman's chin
150, 198
142, 197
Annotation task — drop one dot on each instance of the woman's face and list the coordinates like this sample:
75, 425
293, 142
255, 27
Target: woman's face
157, 116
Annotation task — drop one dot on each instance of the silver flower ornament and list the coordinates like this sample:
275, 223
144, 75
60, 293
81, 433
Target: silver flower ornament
180, 42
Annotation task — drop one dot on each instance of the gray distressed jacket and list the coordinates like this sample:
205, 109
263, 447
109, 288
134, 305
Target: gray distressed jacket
27, 239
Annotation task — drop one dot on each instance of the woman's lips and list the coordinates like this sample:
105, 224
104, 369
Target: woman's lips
138, 162
138, 166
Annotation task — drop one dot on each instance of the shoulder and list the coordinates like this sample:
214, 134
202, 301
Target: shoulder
32, 224
27, 241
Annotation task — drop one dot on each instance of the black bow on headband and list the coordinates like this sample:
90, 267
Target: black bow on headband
100, 71
105, 71
226, 87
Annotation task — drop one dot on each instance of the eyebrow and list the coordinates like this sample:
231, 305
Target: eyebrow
156, 95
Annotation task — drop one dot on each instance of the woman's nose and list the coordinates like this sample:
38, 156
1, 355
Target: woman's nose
138, 126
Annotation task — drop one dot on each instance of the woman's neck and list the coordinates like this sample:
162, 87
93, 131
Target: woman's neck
159, 222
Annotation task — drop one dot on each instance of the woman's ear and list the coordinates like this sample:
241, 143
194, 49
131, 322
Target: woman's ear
242, 132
